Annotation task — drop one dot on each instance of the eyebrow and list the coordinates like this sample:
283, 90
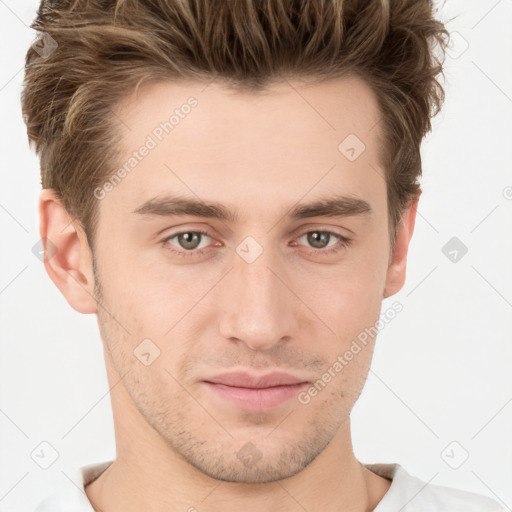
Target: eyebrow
337, 206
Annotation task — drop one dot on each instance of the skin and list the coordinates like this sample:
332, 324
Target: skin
294, 308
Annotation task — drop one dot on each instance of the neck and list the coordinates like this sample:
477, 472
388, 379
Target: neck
148, 476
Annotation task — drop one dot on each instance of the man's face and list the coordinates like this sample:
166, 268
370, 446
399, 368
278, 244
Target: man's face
265, 291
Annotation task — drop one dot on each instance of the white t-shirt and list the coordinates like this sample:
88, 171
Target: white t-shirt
405, 494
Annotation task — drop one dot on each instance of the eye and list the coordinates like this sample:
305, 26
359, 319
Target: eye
325, 242
195, 243
187, 241
318, 239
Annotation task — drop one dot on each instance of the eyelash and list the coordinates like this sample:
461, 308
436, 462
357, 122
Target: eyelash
343, 242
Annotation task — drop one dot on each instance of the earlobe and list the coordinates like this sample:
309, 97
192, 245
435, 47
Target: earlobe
68, 258
395, 277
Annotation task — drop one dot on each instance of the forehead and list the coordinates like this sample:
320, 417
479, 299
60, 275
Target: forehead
286, 141
334, 107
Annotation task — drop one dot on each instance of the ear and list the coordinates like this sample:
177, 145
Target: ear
395, 277
67, 257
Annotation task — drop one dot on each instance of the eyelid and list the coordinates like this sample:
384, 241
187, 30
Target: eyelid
337, 231
321, 229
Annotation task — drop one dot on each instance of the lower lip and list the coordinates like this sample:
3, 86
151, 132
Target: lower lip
256, 399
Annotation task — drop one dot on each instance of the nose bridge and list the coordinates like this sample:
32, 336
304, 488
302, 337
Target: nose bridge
258, 309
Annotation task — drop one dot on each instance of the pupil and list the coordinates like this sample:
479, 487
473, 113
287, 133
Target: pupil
318, 239
189, 240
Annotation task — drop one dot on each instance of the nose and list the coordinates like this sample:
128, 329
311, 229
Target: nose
256, 306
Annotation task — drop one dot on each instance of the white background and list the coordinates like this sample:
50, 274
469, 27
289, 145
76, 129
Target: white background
442, 369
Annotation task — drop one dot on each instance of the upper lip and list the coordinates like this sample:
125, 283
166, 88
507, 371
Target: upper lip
248, 380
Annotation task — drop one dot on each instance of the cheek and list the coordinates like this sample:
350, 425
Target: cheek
346, 296
147, 291
155, 301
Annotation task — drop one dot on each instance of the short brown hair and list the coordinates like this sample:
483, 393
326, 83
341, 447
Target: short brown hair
98, 51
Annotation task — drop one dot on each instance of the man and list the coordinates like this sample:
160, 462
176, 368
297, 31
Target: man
231, 186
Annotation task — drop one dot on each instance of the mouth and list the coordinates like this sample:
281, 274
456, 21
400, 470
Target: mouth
255, 392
